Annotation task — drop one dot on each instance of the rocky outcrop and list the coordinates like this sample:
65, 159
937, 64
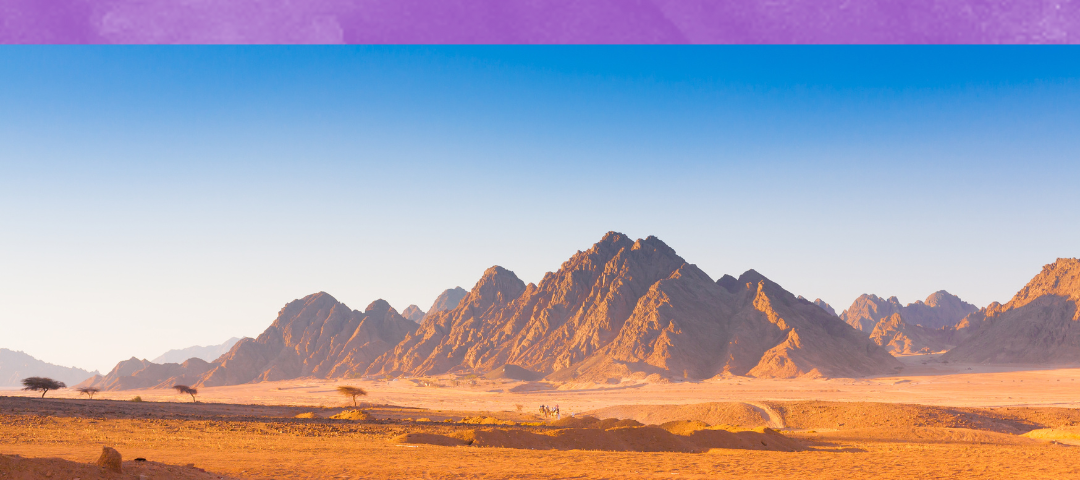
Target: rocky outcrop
902, 338
941, 309
413, 313
314, 336
634, 308
1041, 324
110, 460
15, 366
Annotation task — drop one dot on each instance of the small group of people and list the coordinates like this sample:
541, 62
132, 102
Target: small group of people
550, 411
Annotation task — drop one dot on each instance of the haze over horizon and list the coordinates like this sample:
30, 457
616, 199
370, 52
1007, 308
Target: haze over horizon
162, 197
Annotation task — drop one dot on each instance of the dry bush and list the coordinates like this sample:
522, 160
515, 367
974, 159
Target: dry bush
350, 391
41, 384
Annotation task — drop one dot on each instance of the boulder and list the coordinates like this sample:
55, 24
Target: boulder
110, 459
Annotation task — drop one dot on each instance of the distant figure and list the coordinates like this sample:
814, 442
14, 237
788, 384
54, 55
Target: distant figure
556, 412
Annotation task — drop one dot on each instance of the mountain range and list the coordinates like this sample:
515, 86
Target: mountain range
621, 309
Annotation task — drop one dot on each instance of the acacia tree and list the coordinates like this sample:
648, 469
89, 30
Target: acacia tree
88, 391
186, 389
350, 391
41, 384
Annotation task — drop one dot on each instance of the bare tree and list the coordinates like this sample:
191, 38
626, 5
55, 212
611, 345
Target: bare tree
350, 391
186, 389
88, 391
41, 384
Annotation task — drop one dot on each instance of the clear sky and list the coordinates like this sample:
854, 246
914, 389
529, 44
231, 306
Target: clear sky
161, 197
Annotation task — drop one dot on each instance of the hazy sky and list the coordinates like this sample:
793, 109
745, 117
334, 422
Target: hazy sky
162, 197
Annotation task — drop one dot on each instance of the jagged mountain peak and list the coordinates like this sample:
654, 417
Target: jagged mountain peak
729, 283
497, 286
939, 297
413, 313
379, 306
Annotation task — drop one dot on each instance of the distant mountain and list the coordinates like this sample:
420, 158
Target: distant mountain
626, 308
412, 312
208, 353
821, 303
1041, 324
941, 309
15, 366
447, 300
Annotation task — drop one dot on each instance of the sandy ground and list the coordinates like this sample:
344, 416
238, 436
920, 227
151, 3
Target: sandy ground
929, 421
929, 384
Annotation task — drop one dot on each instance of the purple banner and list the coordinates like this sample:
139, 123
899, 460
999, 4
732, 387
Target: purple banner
539, 21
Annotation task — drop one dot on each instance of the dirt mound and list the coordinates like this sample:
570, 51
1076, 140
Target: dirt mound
306, 415
684, 427
925, 435
1070, 435
428, 439
352, 415
482, 420
17, 467
732, 413
589, 421
632, 439
853, 415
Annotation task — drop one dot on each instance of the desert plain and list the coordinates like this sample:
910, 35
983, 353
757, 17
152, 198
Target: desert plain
930, 420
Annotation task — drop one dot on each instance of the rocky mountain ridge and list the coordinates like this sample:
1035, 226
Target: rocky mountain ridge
1041, 324
621, 309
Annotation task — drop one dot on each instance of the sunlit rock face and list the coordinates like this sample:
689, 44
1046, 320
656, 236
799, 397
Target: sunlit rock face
1041, 324
316, 336
634, 308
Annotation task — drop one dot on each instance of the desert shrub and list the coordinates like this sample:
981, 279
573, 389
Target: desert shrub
41, 384
186, 390
88, 391
350, 391
136, 398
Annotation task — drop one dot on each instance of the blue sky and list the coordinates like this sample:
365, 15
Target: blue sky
159, 197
